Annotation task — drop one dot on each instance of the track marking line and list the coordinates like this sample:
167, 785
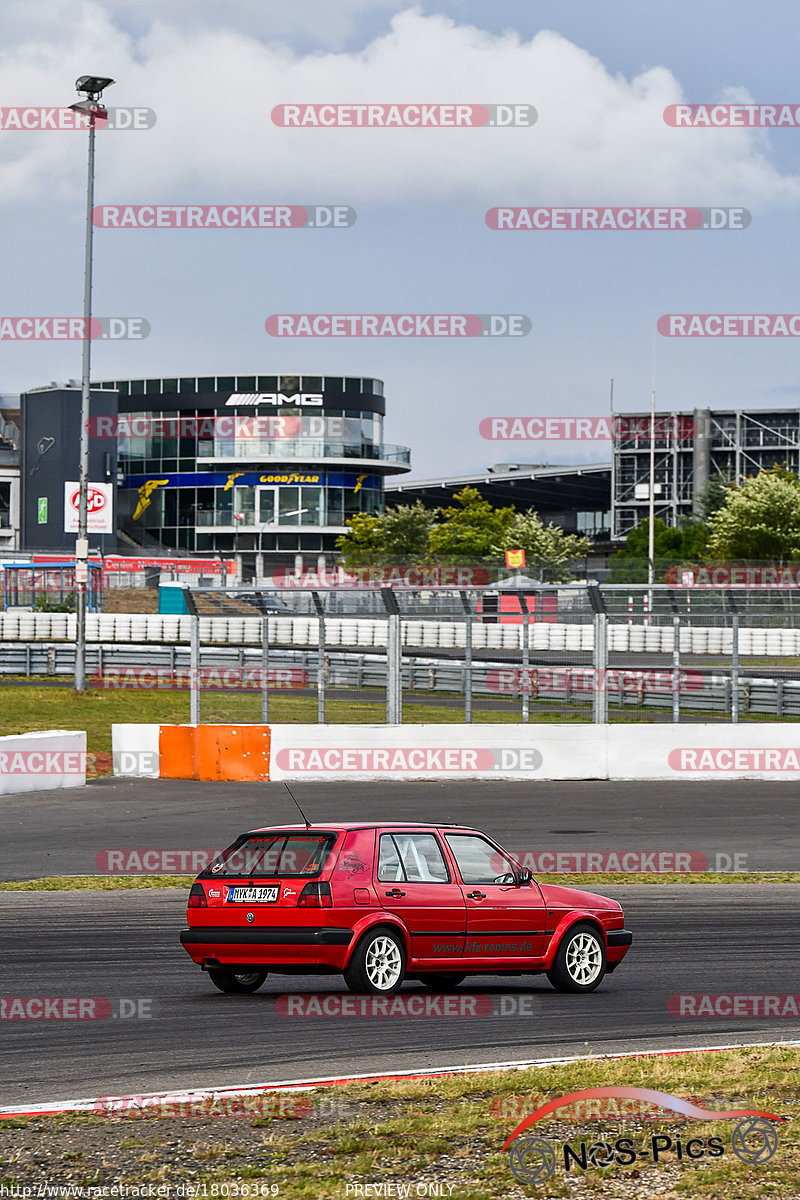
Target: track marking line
299, 1085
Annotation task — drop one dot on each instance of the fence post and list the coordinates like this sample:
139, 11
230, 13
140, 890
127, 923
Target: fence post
394, 660
734, 660
600, 665
320, 610
676, 669
599, 655
264, 668
526, 659
194, 671
676, 657
466, 600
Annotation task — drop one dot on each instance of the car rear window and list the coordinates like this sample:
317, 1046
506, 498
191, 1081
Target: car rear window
285, 855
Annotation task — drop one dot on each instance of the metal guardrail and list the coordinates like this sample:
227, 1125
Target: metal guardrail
233, 679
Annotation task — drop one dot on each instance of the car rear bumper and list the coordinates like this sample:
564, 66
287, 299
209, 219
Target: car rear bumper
303, 946
617, 945
618, 937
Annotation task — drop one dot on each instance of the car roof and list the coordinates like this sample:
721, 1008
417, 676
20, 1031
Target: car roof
330, 826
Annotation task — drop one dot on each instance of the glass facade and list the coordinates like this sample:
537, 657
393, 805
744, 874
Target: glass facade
273, 464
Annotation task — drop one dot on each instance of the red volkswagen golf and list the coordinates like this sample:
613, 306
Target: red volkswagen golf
381, 903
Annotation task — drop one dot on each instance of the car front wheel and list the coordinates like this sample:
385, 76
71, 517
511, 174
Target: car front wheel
228, 980
580, 961
378, 964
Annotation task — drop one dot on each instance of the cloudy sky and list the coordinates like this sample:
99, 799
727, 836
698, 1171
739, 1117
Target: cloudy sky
599, 75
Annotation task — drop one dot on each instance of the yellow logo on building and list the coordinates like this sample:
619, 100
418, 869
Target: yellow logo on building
145, 492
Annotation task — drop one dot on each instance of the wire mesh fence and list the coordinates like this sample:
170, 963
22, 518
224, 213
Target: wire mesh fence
583, 653
571, 653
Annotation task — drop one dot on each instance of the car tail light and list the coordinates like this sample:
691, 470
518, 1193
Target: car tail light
315, 895
197, 897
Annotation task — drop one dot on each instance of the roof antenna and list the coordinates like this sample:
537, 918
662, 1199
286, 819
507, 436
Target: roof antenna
299, 809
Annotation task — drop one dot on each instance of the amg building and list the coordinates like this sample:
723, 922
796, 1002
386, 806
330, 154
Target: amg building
263, 466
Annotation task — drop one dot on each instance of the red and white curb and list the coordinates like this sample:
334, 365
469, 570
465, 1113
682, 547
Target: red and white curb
219, 1095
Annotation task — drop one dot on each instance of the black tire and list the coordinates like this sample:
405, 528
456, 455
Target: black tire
378, 963
228, 980
440, 981
580, 961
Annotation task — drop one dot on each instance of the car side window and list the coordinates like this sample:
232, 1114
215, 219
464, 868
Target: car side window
478, 860
411, 857
390, 869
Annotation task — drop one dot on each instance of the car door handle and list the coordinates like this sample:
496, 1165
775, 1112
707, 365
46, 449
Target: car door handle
476, 895
395, 892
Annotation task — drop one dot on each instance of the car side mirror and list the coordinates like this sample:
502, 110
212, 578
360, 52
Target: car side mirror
524, 877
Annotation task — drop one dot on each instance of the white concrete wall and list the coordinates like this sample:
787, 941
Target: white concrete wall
37, 762
134, 750
437, 752
378, 752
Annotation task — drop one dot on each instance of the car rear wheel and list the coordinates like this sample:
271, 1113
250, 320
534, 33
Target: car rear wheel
378, 964
236, 981
439, 980
580, 961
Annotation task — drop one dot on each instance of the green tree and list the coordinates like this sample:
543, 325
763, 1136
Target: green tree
672, 546
471, 528
760, 520
713, 496
548, 549
401, 534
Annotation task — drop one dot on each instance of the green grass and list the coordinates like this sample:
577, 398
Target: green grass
448, 1130
116, 883
24, 709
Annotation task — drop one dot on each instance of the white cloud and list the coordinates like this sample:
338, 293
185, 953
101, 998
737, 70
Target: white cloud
600, 138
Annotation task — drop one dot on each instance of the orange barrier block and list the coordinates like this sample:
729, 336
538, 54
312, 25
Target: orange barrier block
215, 752
233, 752
176, 751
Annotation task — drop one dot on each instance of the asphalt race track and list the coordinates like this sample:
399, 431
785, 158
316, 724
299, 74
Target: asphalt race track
60, 832
687, 939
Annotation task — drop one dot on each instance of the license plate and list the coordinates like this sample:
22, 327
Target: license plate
253, 895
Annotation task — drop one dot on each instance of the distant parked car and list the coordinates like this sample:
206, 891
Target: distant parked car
383, 902
266, 603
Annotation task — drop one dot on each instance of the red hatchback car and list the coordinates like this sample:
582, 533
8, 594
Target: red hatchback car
384, 902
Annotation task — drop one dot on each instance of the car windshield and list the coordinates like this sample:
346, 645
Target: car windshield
285, 855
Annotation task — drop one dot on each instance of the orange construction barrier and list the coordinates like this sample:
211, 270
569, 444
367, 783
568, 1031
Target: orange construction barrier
214, 752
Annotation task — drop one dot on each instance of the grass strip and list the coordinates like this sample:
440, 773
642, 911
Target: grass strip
30, 708
446, 1131
114, 883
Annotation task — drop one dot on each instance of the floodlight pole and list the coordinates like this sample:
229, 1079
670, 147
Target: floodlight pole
651, 533
93, 108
